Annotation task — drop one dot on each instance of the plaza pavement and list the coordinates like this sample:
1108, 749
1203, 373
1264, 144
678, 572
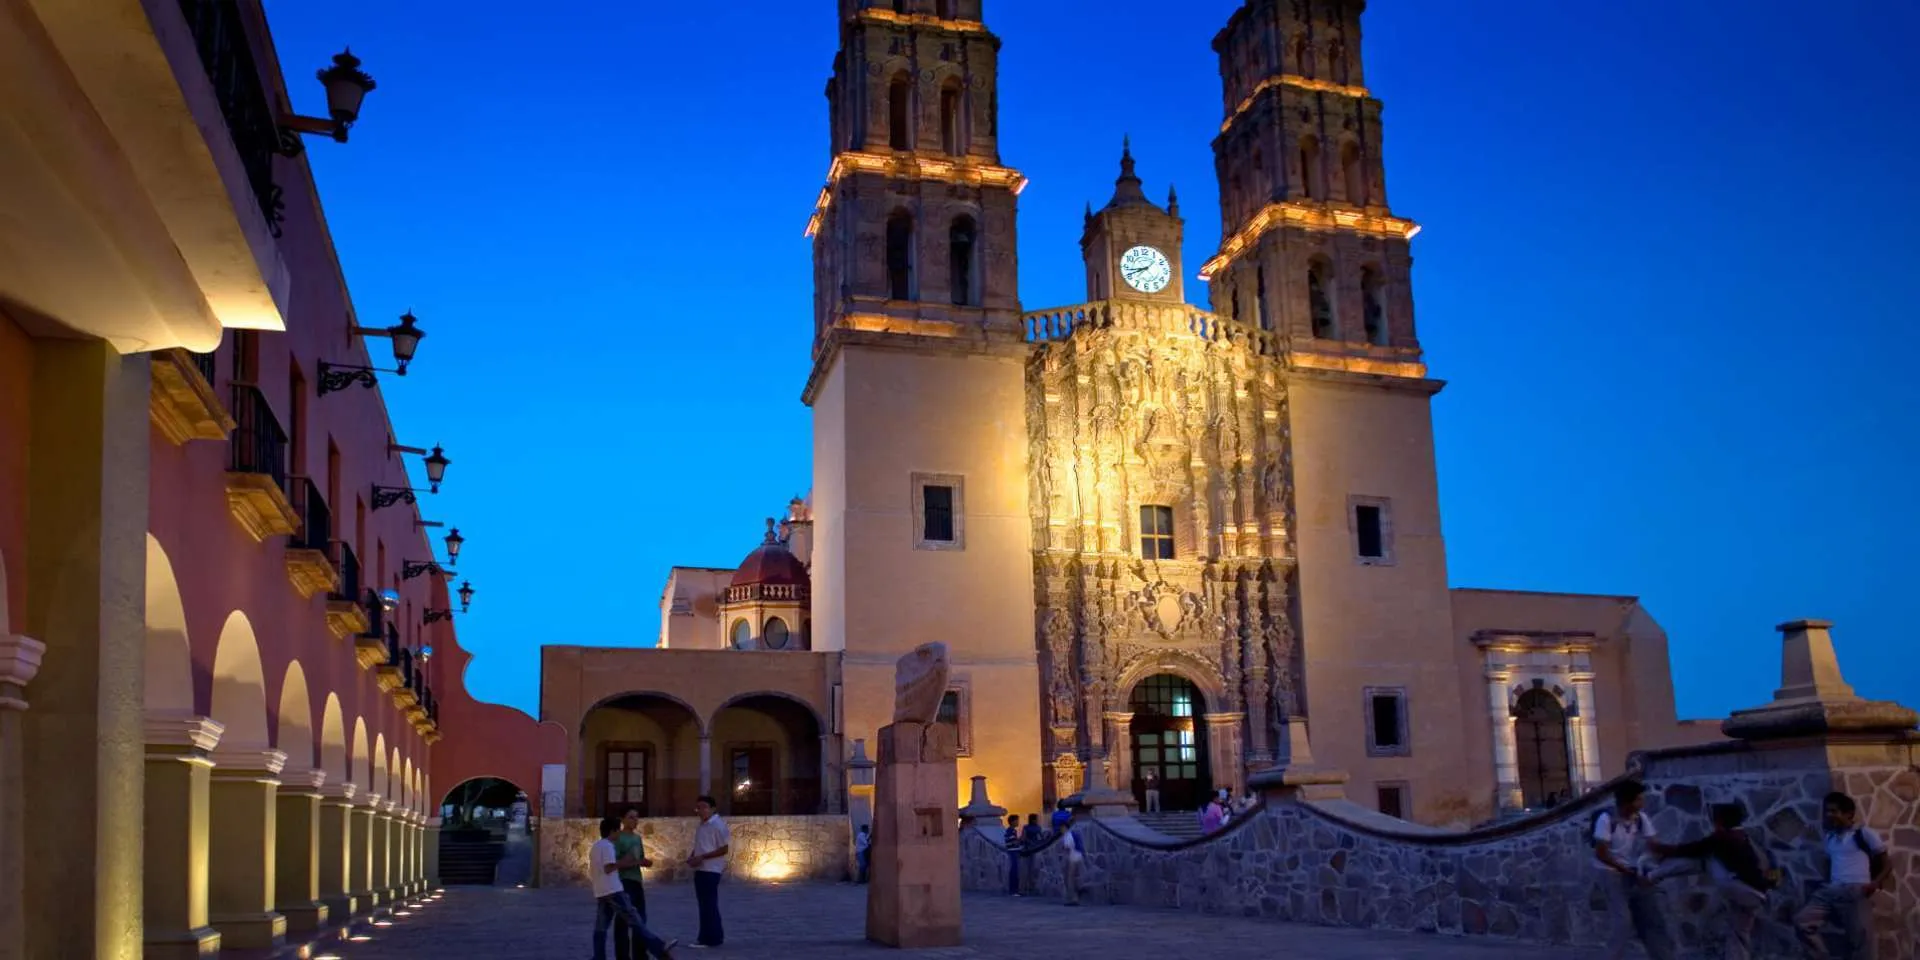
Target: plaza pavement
806, 921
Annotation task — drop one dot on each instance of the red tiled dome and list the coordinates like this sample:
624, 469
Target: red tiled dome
771, 564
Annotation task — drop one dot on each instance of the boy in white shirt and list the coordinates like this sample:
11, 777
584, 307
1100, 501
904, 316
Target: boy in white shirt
1620, 838
1857, 868
610, 897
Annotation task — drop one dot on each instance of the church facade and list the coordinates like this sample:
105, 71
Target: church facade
1150, 534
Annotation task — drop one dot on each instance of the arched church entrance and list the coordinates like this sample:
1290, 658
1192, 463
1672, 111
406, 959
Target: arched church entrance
1540, 741
484, 837
1169, 742
766, 757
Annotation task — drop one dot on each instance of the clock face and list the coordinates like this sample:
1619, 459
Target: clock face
1146, 269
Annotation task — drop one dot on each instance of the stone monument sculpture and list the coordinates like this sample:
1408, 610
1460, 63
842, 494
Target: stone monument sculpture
913, 892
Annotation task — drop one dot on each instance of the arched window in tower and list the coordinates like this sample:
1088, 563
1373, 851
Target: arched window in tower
1302, 56
1374, 297
1319, 303
951, 139
900, 113
1355, 173
900, 256
1260, 296
1309, 166
1337, 57
960, 253
945, 9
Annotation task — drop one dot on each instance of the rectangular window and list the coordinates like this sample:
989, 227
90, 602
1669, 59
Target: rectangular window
939, 511
1386, 722
1393, 799
956, 712
1371, 519
624, 776
1156, 532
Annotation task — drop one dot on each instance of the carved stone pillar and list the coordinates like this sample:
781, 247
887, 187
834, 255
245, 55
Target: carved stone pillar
1068, 774
19, 662
240, 892
1225, 753
1584, 741
333, 859
360, 852
175, 836
826, 775
1506, 754
297, 850
1120, 735
430, 840
380, 829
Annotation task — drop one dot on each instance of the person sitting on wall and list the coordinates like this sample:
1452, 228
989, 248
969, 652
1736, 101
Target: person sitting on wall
1741, 868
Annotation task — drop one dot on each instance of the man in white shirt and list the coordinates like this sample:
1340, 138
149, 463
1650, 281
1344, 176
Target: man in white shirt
610, 897
1620, 851
709, 861
1857, 868
1076, 855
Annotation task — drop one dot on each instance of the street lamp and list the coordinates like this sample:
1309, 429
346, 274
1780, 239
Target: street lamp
406, 336
454, 541
466, 595
436, 462
346, 85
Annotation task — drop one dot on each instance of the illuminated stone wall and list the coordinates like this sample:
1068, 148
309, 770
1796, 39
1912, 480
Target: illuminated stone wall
763, 849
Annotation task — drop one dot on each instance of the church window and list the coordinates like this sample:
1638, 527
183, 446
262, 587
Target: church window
1373, 299
777, 634
900, 113
1260, 296
960, 252
742, 635
900, 256
623, 773
1337, 56
1393, 799
1302, 56
1156, 532
1372, 526
950, 139
1319, 304
1355, 173
1310, 167
939, 518
1387, 722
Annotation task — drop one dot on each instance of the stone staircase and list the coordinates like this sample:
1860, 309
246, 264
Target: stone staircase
1179, 825
469, 857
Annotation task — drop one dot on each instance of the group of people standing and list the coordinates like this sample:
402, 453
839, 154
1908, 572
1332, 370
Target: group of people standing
1633, 861
614, 865
1024, 840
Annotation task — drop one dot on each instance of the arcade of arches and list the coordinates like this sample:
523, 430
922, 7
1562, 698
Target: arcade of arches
757, 755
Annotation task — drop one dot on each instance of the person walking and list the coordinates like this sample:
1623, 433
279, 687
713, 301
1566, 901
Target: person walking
630, 850
1741, 870
709, 861
1620, 837
1076, 855
1857, 868
610, 898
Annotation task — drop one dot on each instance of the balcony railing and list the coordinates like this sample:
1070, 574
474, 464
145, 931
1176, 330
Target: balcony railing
204, 362
316, 521
259, 445
349, 565
1060, 323
227, 57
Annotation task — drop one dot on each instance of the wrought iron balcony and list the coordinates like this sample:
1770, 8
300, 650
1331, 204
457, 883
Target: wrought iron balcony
309, 566
257, 469
345, 616
370, 647
225, 53
182, 400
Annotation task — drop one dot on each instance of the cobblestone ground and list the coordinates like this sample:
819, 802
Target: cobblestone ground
809, 921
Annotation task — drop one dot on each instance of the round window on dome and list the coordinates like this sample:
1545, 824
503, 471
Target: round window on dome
742, 635
777, 634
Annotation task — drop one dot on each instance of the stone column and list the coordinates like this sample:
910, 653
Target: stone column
380, 830
360, 852
297, 850
914, 898
431, 854
1585, 735
84, 741
826, 776
240, 891
1120, 738
1506, 754
174, 836
336, 829
413, 851
860, 788
1224, 753
19, 661
706, 764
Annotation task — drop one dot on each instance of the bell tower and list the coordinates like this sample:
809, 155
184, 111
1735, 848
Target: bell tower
1312, 251
918, 387
1132, 245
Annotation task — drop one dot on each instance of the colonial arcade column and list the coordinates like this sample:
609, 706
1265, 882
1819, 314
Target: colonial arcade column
706, 765
297, 850
430, 859
360, 852
19, 661
380, 829
336, 830
175, 836
1506, 753
245, 787
1584, 735
1225, 732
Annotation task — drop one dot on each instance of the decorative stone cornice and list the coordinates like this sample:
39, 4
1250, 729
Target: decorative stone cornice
19, 663
367, 801
1813, 698
303, 782
340, 793
183, 732
249, 763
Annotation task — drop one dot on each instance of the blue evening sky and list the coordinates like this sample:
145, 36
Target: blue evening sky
1667, 271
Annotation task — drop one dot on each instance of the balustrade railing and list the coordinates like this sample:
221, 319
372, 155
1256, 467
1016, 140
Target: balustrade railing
767, 591
227, 57
316, 521
258, 444
204, 362
1059, 323
349, 566
377, 625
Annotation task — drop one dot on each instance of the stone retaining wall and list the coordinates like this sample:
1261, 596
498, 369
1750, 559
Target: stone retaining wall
763, 848
1335, 863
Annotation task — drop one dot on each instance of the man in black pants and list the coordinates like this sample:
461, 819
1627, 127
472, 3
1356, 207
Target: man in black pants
632, 850
709, 862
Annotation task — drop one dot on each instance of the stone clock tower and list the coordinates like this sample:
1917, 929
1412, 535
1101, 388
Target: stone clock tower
918, 386
1132, 246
